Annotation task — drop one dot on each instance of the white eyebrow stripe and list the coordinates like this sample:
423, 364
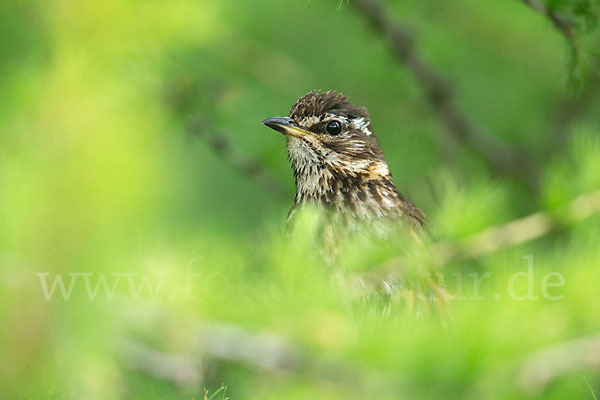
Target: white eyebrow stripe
361, 124
338, 117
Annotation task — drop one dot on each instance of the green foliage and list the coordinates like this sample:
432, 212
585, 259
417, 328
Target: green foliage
578, 167
219, 394
101, 180
577, 20
470, 209
583, 11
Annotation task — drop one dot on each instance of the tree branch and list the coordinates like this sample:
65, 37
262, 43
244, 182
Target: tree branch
496, 238
549, 364
259, 351
522, 230
184, 371
570, 109
560, 22
245, 166
574, 105
439, 94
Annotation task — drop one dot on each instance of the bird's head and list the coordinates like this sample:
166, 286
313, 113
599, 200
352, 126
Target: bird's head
324, 130
337, 159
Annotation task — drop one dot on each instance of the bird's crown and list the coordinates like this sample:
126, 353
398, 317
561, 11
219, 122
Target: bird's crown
314, 104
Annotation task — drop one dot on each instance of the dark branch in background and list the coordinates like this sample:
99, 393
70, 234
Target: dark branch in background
561, 23
184, 95
245, 166
575, 105
439, 94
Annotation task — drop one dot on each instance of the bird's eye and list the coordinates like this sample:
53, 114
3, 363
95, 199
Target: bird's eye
334, 127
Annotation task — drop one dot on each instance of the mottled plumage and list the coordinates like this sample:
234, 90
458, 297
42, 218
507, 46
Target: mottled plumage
339, 164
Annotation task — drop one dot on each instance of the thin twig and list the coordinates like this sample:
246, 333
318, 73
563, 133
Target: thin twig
523, 230
248, 167
440, 96
503, 236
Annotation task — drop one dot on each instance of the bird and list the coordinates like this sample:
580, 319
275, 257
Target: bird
339, 165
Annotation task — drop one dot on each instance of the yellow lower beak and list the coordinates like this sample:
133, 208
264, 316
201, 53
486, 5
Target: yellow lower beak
285, 125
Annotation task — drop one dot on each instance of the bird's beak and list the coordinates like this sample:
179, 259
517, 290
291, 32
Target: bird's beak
285, 125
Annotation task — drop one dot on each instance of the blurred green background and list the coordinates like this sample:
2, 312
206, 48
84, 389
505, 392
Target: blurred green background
132, 150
